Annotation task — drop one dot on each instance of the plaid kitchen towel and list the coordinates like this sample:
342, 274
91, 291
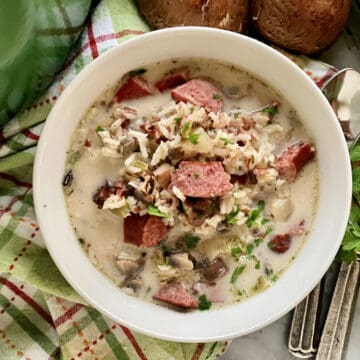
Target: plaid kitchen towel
41, 316
40, 43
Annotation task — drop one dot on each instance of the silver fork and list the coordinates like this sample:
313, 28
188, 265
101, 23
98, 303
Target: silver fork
337, 327
310, 314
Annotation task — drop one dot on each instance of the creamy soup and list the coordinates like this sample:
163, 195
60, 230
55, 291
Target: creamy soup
191, 184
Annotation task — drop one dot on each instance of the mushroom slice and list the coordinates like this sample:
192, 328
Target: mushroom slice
215, 270
129, 263
182, 261
133, 283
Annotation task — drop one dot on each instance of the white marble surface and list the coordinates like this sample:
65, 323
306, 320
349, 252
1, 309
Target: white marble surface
270, 343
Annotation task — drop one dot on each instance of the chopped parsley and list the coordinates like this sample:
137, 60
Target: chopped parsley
271, 110
275, 278
270, 244
227, 141
177, 119
232, 217
258, 241
257, 265
217, 97
255, 213
191, 241
236, 273
236, 252
99, 129
204, 303
137, 72
194, 138
152, 210
268, 230
249, 249
264, 221
236, 115
185, 129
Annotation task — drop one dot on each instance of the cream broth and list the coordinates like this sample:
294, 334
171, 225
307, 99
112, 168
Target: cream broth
245, 247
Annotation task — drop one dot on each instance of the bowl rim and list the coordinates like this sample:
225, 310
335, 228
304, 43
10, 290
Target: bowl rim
53, 247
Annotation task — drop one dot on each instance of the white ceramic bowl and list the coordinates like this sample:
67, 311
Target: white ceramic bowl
275, 70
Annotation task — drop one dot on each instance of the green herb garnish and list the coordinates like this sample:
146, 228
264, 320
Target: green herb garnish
236, 252
194, 138
236, 273
275, 278
137, 72
185, 129
217, 97
196, 176
226, 141
191, 241
258, 241
268, 230
271, 110
254, 214
177, 119
257, 265
204, 303
231, 218
154, 211
351, 240
249, 249
99, 129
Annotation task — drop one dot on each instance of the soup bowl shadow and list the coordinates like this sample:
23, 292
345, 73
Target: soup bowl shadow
273, 69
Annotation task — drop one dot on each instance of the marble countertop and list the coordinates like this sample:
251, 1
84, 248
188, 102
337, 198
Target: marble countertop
270, 343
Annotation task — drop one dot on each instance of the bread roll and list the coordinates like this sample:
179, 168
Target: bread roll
225, 14
307, 26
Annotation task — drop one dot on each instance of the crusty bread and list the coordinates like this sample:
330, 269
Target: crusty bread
225, 14
307, 26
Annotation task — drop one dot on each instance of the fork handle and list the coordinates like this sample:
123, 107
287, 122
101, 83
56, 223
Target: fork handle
302, 331
338, 321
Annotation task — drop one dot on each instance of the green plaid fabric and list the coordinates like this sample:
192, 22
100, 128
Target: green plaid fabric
41, 316
51, 27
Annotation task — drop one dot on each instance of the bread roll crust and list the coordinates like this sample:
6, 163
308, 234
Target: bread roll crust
226, 14
307, 26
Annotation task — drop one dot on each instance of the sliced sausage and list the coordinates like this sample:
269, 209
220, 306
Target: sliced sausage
144, 230
134, 88
280, 243
175, 78
201, 93
201, 179
175, 294
293, 159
